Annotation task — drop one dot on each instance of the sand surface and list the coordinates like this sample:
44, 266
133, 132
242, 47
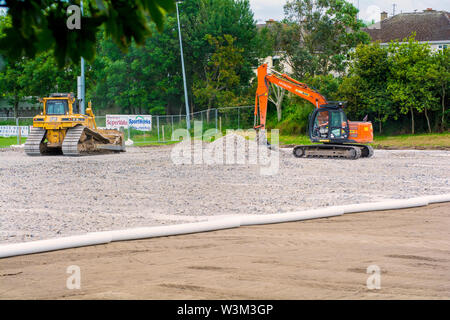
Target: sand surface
315, 259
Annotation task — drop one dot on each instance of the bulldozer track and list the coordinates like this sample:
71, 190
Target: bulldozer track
70, 143
34, 145
81, 140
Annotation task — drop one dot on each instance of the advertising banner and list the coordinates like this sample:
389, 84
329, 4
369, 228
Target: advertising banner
138, 122
8, 131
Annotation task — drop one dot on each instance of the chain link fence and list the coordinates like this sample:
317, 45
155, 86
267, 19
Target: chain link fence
161, 129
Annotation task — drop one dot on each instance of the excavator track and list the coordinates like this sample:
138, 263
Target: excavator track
331, 151
34, 145
366, 151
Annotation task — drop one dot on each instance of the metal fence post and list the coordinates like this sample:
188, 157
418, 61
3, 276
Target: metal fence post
157, 125
216, 120
18, 128
239, 113
172, 128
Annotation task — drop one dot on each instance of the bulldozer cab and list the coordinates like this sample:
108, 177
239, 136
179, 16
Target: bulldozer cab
56, 107
60, 104
329, 124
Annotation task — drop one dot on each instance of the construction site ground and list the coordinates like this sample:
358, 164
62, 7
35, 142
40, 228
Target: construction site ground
54, 196
315, 259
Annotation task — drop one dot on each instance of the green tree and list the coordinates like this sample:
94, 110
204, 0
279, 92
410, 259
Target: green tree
5, 22
145, 79
27, 79
149, 77
365, 88
220, 73
318, 34
442, 61
40, 25
217, 18
412, 78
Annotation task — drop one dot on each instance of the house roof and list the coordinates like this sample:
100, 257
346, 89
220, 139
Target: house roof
429, 25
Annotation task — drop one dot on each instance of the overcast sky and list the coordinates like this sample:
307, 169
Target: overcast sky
369, 9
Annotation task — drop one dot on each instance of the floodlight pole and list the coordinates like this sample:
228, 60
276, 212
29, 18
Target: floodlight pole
188, 120
82, 81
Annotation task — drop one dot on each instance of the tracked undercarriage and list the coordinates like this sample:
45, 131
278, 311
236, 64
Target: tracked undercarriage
62, 128
79, 140
344, 151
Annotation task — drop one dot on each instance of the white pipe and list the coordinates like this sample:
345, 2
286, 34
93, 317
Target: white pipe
438, 198
162, 231
88, 239
385, 205
211, 225
249, 220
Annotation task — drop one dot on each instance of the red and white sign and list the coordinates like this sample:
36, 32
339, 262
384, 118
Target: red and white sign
116, 121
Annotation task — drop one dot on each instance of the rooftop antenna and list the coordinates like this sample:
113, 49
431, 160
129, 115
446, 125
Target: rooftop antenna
393, 9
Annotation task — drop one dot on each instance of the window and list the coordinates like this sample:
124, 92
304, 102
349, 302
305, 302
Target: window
338, 124
320, 128
56, 107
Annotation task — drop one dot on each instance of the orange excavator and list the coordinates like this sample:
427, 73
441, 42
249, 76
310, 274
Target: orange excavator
328, 123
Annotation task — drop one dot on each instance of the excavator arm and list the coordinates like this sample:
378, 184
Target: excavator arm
285, 82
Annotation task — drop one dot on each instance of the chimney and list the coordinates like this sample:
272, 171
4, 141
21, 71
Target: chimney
384, 15
270, 21
429, 10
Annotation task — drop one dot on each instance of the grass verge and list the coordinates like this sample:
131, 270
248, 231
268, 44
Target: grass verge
416, 141
5, 142
407, 141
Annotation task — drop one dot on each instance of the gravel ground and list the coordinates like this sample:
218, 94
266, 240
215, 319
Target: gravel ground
44, 197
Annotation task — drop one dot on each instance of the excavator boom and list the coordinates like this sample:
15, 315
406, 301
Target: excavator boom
285, 82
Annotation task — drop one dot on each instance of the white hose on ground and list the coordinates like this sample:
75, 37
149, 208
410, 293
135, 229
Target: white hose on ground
385, 205
438, 198
103, 237
89, 239
163, 231
249, 220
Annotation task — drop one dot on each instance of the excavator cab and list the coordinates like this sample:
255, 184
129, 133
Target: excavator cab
329, 124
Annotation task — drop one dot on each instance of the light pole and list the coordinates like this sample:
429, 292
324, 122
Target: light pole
188, 118
81, 80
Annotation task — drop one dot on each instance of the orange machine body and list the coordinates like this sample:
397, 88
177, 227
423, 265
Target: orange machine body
359, 132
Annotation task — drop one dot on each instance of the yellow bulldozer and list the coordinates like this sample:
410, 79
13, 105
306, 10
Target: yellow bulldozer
61, 128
